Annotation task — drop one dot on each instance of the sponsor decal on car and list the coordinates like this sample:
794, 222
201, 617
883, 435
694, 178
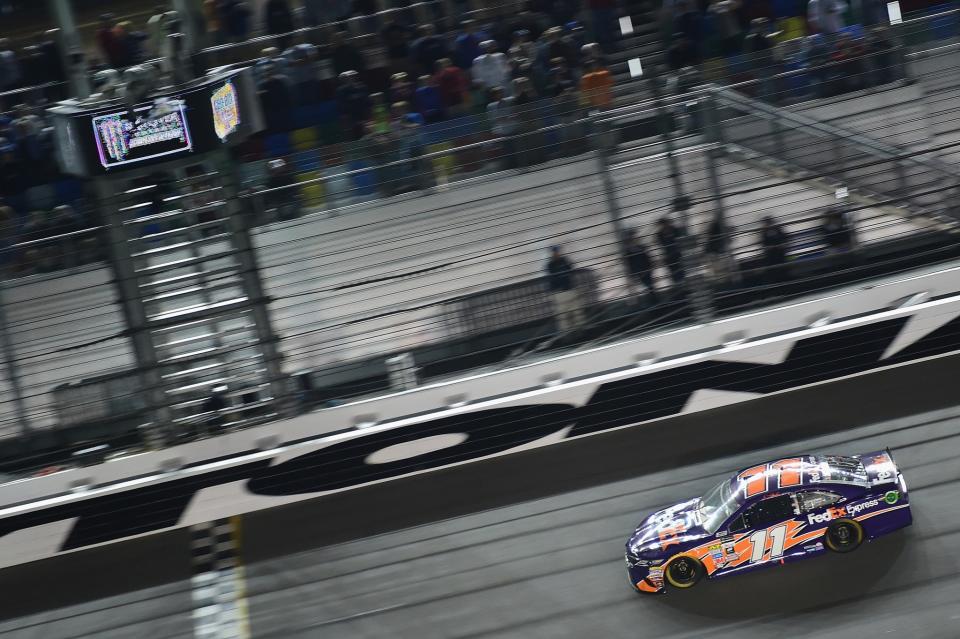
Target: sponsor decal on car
829, 515
856, 509
891, 497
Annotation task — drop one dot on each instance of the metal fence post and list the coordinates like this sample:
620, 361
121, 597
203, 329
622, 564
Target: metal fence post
605, 137
10, 366
700, 297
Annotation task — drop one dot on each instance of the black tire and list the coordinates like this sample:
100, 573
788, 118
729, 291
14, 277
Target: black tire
843, 535
683, 572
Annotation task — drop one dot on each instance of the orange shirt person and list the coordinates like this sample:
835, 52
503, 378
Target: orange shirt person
596, 87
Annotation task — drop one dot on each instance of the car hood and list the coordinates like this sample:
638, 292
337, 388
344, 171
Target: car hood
679, 523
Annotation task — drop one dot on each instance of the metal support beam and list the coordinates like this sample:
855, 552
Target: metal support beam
144, 351
605, 142
72, 52
253, 287
699, 292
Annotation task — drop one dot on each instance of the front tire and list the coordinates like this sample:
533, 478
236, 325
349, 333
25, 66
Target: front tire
843, 535
684, 572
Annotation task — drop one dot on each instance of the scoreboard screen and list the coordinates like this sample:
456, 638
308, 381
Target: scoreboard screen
219, 110
125, 138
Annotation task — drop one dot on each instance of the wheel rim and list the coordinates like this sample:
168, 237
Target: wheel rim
683, 572
844, 536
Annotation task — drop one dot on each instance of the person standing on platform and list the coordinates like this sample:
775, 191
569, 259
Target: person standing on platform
563, 288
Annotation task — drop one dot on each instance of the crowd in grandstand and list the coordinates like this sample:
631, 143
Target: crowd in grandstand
837, 47
504, 75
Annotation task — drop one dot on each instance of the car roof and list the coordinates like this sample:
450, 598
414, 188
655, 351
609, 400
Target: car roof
798, 472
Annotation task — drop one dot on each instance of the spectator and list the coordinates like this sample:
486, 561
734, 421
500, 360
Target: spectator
640, 265
345, 56
427, 100
727, 24
774, 243
722, 266
689, 23
453, 86
559, 78
279, 21
401, 89
848, 53
396, 40
561, 279
302, 72
236, 16
882, 60
490, 69
522, 47
353, 102
379, 115
321, 12
826, 16
276, 99
129, 44
428, 49
282, 202
215, 27
110, 48
836, 231
681, 53
466, 47
669, 238
602, 21
596, 87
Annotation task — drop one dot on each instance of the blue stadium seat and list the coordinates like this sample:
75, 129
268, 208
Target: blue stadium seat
278, 145
942, 26
309, 160
364, 182
854, 30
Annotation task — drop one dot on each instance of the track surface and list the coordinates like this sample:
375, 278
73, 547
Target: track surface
456, 555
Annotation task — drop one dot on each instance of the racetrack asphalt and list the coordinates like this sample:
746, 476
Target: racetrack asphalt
531, 545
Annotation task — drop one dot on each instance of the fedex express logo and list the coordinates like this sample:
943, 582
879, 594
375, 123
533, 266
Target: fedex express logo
829, 515
851, 510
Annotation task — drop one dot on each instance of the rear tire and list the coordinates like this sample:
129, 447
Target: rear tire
684, 572
843, 535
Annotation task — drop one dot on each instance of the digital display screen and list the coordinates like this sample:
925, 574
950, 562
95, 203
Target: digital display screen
122, 139
226, 110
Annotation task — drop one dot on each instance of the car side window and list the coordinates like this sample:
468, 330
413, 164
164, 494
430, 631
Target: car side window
764, 513
815, 500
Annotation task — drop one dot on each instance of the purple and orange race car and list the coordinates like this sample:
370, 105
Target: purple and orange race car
770, 514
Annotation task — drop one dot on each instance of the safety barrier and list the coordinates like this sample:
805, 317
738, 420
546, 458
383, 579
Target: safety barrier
694, 369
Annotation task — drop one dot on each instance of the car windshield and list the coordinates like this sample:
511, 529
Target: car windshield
717, 505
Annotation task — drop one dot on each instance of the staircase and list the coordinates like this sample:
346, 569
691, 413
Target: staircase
916, 185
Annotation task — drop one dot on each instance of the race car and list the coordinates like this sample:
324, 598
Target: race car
770, 514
